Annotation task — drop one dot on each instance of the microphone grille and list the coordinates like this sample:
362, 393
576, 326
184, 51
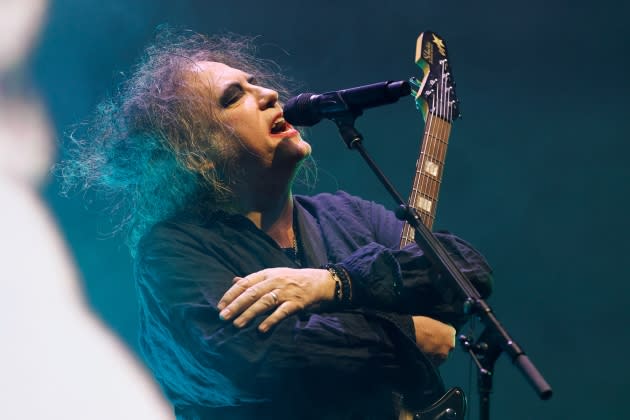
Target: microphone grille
300, 111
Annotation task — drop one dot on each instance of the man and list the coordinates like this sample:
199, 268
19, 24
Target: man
255, 302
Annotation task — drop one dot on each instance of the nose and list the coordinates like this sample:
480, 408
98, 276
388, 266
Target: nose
267, 98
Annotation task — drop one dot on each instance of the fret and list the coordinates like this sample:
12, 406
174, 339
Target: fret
424, 179
436, 150
437, 118
436, 138
427, 186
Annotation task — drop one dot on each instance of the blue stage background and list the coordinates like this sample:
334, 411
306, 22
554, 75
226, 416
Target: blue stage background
537, 174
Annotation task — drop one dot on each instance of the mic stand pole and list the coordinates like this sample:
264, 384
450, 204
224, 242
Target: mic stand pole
484, 353
449, 278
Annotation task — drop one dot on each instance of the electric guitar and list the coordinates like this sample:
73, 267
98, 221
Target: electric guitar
435, 98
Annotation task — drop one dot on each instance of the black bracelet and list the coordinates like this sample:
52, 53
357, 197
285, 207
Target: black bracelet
343, 285
338, 288
346, 283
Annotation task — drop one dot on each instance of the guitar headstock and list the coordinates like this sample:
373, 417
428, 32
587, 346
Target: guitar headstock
435, 92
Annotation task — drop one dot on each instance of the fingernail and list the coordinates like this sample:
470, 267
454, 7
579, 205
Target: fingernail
238, 323
220, 306
224, 314
263, 327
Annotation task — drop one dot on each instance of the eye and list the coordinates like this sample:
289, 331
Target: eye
231, 95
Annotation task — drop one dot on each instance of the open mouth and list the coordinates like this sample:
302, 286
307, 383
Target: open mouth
280, 126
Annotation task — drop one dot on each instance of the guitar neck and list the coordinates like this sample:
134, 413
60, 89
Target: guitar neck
429, 171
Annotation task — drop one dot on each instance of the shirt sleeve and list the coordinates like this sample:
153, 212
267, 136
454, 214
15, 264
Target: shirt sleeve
403, 280
184, 281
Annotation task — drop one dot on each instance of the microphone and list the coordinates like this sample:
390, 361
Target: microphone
308, 109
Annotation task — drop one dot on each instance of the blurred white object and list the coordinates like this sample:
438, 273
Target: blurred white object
26, 147
20, 21
57, 360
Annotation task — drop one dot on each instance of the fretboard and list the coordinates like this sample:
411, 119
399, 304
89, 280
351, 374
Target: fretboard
429, 169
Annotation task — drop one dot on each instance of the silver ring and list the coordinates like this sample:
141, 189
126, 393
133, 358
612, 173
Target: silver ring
274, 296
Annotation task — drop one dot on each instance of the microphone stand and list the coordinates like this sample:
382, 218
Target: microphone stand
484, 353
495, 338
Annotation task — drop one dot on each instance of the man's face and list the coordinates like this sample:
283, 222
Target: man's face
253, 115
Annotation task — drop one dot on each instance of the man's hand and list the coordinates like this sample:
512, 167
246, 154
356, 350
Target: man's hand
434, 338
283, 290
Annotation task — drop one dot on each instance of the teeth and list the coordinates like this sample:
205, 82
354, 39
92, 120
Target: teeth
278, 125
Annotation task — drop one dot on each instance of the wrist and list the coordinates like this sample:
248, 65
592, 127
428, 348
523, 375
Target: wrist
343, 287
330, 286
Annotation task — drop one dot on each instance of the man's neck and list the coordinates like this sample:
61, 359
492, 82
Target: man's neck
275, 218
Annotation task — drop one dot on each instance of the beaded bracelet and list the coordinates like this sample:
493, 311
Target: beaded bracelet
338, 288
343, 286
346, 284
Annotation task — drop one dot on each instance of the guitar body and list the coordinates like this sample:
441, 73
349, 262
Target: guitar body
451, 406
436, 99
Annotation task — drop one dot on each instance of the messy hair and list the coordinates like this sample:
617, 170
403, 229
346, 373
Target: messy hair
144, 152
143, 149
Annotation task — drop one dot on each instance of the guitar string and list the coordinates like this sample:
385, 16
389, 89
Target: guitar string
419, 182
432, 150
415, 191
426, 146
413, 196
406, 233
439, 146
435, 146
444, 128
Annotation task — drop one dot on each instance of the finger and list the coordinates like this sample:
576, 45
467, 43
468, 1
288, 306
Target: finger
246, 299
239, 285
266, 303
233, 292
283, 311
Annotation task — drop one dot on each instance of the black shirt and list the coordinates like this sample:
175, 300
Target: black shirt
320, 365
